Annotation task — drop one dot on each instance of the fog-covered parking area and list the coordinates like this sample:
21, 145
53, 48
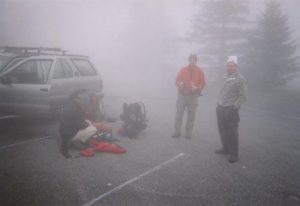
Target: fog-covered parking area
157, 169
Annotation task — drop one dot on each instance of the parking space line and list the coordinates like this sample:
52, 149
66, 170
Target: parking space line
24, 142
156, 168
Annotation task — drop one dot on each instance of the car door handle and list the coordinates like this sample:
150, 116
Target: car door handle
44, 89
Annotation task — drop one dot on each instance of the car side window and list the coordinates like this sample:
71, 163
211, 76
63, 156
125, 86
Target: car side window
62, 70
30, 72
84, 67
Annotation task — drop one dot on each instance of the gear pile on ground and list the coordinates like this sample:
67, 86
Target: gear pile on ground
102, 141
134, 119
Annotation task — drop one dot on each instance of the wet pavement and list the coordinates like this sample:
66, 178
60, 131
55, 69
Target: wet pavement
157, 169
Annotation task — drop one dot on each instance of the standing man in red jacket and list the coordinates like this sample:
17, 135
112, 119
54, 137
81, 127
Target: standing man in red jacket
190, 82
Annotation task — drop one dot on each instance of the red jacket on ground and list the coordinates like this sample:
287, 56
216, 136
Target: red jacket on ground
189, 76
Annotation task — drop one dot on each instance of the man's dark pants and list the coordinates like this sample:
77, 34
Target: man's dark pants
228, 123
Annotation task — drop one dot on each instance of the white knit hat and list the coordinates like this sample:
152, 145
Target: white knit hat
233, 59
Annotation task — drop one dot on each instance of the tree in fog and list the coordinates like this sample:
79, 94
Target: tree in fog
219, 29
271, 59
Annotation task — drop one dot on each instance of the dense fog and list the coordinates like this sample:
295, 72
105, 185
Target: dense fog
137, 46
174, 144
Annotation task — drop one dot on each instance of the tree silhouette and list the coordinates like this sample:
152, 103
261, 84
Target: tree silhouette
219, 29
271, 59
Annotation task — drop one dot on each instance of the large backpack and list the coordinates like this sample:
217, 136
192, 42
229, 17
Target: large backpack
134, 117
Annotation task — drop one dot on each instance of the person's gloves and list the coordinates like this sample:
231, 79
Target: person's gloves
194, 88
181, 85
236, 106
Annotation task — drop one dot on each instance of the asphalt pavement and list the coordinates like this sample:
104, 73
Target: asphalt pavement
157, 169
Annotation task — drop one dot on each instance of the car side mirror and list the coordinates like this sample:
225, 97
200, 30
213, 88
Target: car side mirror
5, 80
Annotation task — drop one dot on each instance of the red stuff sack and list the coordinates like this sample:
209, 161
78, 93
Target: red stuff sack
89, 152
108, 147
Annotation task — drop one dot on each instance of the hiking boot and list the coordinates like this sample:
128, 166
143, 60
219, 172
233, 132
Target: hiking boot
65, 153
221, 151
176, 135
232, 158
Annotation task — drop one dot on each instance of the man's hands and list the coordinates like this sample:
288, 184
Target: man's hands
181, 85
194, 88
236, 106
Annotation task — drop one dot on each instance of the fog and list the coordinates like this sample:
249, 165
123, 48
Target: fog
136, 45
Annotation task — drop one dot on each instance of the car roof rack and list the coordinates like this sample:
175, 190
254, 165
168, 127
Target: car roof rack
33, 50
77, 55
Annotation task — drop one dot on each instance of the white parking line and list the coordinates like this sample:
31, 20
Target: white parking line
24, 142
133, 180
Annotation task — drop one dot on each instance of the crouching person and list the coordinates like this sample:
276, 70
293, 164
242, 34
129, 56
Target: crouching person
74, 130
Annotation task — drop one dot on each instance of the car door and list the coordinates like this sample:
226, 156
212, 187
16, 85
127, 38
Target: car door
27, 90
87, 77
62, 83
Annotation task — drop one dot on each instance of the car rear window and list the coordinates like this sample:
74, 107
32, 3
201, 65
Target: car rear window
84, 67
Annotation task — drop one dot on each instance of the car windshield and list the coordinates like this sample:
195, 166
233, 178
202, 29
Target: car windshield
4, 60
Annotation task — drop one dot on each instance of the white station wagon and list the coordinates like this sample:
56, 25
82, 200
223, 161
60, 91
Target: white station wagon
38, 81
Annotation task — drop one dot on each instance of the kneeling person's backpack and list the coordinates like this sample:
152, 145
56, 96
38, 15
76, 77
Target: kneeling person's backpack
134, 117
